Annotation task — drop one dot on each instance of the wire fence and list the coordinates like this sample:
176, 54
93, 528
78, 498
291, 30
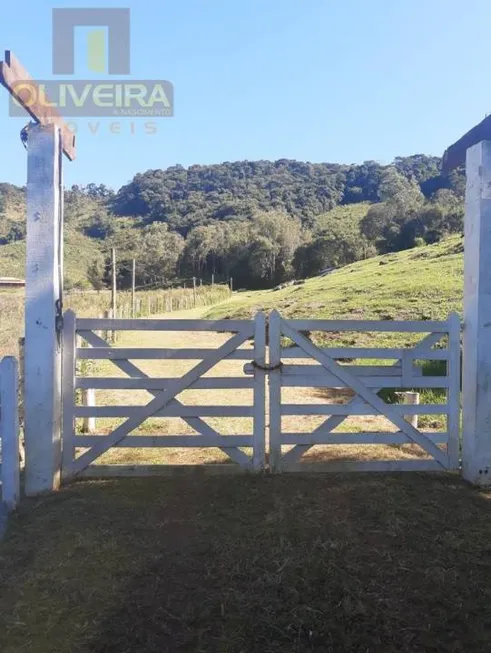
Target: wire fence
146, 302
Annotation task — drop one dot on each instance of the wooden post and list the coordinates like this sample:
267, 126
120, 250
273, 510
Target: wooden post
69, 373
476, 461
411, 399
22, 346
194, 291
453, 397
107, 333
88, 399
133, 287
113, 287
231, 284
259, 424
43, 310
275, 392
213, 279
9, 432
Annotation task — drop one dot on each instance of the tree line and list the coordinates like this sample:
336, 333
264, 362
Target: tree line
261, 223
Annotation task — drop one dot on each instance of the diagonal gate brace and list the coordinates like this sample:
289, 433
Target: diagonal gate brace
365, 393
161, 400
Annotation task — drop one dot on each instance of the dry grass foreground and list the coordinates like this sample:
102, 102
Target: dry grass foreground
392, 563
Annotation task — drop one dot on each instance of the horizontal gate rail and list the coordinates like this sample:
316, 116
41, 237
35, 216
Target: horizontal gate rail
168, 411
317, 378
361, 409
109, 471
114, 383
342, 466
424, 326
358, 438
136, 353
365, 352
106, 324
152, 441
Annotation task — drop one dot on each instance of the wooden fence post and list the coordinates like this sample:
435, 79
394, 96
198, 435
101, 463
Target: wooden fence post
88, 399
69, 373
42, 396
9, 432
274, 333
476, 458
454, 403
411, 399
259, 425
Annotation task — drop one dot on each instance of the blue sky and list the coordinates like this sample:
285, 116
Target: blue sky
316, 80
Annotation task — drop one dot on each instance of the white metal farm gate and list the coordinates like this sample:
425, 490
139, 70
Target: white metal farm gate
365, 382
282, 352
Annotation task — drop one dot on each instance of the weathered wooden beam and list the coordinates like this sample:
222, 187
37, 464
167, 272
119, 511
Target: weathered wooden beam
343, 466
16, 80
9, 432
476, 371
367, 438
454, 156
105, 471
42, 377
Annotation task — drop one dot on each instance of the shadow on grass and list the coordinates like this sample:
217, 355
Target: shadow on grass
250, 564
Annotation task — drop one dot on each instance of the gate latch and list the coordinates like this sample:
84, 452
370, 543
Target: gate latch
265, 367
59, 318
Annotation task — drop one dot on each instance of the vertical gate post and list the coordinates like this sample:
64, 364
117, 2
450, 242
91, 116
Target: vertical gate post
275, 392
43, 310
477, 317
69, 374
259, 428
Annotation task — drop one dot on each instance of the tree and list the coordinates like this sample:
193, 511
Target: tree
96, 273
331, 248
376, 221
158, 254
277, 236
402, 195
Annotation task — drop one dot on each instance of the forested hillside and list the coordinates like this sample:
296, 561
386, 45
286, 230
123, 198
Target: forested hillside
260, 222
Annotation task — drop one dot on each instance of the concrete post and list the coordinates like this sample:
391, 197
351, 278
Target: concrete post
88, 399
411, 399
477, 318
43, 310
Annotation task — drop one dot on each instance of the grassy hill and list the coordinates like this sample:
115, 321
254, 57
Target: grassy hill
424, 283
80, 252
